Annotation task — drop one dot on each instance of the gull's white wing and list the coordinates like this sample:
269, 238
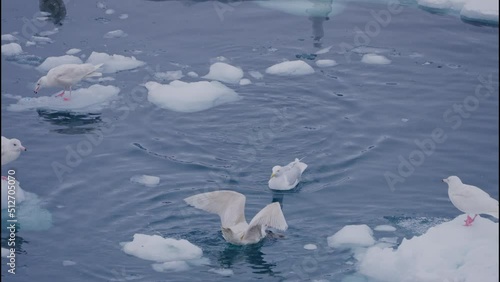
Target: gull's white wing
229, 205
71, 73
270, 216
474, 199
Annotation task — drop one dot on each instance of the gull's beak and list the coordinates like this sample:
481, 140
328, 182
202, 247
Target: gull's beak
273, 175
22, 148
444, 180
36, 89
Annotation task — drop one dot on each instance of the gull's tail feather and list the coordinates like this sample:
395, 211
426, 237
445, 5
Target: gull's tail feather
94, 72
229, 205
300, 164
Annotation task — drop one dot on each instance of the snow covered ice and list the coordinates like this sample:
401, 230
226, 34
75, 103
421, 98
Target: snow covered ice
73, 51
115, 34
8, 37
170, 254
114, 63
225, 73
91, 99
11, 49
375, 59
352, 236
290, 68
449, 251
147, 180
245, 81
472, 10
326, 63
385, 228
189, 97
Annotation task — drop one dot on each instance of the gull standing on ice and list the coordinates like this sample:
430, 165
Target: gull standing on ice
470, 199
230, 206
67, 75
287, 177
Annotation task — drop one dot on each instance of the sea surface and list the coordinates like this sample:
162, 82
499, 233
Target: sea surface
378, 139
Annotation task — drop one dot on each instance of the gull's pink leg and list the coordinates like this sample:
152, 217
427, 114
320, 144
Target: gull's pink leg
469, 220
67, 99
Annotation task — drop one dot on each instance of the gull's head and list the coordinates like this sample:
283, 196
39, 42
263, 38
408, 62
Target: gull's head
452, 180
40, 83
15, 145
276, 171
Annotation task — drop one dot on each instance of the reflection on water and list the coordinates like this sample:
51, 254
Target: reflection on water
73, 123
251, 254
56, 8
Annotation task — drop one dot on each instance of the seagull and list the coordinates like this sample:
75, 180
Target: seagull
66, 76
11, 149
470, 199
287, 177
230, 206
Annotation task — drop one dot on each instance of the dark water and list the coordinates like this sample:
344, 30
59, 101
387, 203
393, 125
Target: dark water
354, 124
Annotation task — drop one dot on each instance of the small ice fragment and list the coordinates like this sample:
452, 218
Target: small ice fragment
245, 81
310, 247
192, 74
256, 74
375, 59
11, 49
123, 16
386, 228
68, 263
326, 63
73, 51
115, 34
147, 180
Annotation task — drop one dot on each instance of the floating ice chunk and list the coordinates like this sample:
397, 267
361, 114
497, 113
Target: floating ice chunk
256, 74
169, 75
386, 228
324, 50
147, 180
91, 99
73, 51
310, 247
109, 11
68, 263
101, 5
222, 271
114, 63
5, 252
52, 62
8, 37
29, 43
352, 236
115, 34
41, 39
123, 16
192, 74
106, 78
375, 59
245, 81
219, 59
326, 63
49, 32
446, 252
189, 97
484, 10
304, 8
224, 72
11, 49
290, 68
159, 249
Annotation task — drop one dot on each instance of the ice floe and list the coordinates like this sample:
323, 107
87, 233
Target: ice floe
91, 99
189, 97
170, 254
114, 63
245, 81
310, 247
109, 11
448, 251
147, 180
385, 228
169, 75
73, 51
8, 37
68, 263
375, 59
222, 271
115, 34
352, 236
256, 74
484, 10
123, 16
290, 68
52, 62
326, 63
11, 49
224, 72
192, 74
